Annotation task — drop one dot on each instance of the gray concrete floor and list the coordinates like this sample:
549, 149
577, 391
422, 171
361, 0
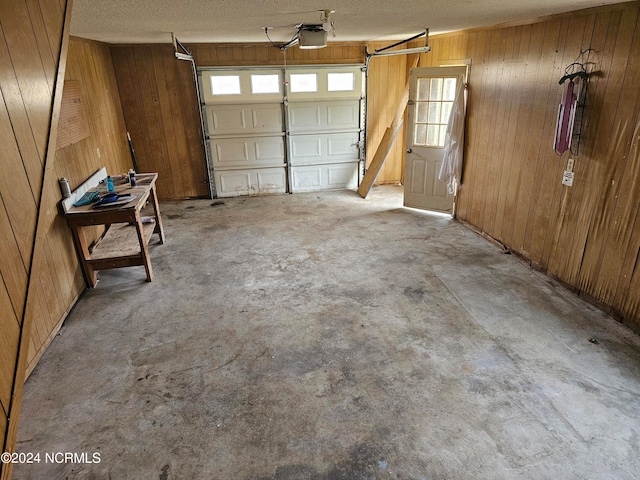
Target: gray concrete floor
321, 336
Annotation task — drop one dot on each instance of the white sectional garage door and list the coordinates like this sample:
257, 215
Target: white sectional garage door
245, 129
325, 127
267, 136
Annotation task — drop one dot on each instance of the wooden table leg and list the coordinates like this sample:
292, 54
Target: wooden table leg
144, 250
80, 239
156, 208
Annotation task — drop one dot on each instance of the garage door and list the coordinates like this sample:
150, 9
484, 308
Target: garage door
267, 136
245, 130
325, 127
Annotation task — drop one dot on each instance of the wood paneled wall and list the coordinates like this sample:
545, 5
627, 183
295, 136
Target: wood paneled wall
88, 63
33, 43
387, 80
160, 107
219, 55
588, 235
39, 272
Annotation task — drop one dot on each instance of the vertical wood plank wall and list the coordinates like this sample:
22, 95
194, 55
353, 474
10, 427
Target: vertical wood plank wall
31, 42
219, 55
29, 51
89, 63
587, 236
160, 106
387, 79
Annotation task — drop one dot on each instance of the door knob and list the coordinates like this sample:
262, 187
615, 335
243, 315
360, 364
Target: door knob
408, 150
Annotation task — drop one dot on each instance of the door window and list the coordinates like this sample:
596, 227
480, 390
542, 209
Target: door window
433, 106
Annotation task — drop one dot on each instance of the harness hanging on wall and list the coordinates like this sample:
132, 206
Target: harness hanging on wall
570, 110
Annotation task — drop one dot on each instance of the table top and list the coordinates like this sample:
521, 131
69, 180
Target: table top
145, 182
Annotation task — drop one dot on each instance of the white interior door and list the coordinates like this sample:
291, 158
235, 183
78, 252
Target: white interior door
431, 95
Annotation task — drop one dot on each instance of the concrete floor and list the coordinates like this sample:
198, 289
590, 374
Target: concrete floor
321, 336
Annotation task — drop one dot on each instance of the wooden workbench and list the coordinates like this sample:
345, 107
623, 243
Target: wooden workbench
125, 242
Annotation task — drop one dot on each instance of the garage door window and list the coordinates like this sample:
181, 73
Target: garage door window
265, 84
303, 82
225, 85
340, 82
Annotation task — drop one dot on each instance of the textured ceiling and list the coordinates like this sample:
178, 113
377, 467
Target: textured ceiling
242, 21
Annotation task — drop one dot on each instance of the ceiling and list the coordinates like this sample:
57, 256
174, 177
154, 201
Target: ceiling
242, 21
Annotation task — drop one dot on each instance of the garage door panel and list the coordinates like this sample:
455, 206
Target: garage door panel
325, 82
342, 176
324, 149
253, 181
231, 152
305, 117
271, 180
344, 115
247, 152
228, 86
324, 116
267, 118
269, 150
244, 119
234, 181
306, 178
305, 147
343, 146
221, 119
324, 177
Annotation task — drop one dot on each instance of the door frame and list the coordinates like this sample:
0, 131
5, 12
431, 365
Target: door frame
461, 63
430, 171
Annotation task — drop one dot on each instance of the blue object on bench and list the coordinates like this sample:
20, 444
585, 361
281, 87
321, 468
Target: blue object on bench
87, 198
107, 198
